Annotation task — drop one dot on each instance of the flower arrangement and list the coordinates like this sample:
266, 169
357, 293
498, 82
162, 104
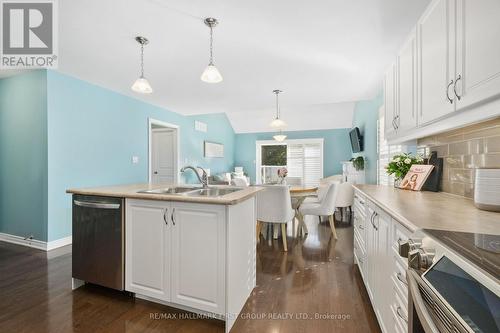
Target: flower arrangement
282, 173
400, 164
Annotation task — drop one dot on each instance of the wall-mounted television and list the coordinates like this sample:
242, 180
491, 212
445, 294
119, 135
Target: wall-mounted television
356, 140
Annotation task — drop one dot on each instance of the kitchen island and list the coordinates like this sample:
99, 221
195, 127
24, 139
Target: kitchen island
191, 248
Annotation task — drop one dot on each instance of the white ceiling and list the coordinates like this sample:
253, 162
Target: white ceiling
319, 52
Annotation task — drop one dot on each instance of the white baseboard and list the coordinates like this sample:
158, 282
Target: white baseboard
59, 243
34, 243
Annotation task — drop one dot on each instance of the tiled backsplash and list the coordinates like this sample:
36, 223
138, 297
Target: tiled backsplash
463, 150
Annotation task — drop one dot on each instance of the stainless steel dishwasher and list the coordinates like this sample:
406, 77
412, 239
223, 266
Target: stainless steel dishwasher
98, 240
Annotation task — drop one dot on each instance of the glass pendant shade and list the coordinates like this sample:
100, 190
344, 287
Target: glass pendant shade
142, 86
279, 137
277, 123
211, 74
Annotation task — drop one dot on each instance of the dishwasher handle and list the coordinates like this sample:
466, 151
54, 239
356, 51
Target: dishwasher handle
100, 205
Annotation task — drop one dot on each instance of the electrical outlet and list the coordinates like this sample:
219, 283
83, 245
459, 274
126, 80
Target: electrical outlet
135, 159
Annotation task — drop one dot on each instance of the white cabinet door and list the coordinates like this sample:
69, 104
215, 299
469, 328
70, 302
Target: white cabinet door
406, 117
147, 250
371, 249
436, 61
198, 256
384, 269
478, 51
390, 101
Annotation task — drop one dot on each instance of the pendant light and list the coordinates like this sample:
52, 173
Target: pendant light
280, 137
211, 74
141, 85
277, 122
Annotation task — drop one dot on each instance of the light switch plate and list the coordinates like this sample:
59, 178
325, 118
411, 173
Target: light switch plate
135, 159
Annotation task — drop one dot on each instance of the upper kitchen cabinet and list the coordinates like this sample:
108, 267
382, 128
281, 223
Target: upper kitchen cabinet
406, 104
478, 51
447, 72
390, 101
436, 61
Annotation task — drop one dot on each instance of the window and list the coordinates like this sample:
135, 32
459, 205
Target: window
303, 159
273, 157
385, 154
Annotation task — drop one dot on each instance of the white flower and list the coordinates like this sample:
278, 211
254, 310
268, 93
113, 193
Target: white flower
397, 160
407, 161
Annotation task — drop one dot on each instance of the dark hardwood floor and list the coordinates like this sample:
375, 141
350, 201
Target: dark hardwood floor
313, 288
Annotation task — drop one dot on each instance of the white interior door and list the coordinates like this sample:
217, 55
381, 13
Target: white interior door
163, 155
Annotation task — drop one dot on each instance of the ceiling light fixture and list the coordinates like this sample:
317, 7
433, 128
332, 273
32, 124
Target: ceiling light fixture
277, 122
211, 74
141, 85
280, 137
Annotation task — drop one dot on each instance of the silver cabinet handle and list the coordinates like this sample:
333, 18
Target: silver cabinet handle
361, 260
100, 205
172, 216
361, 227
371, 219
398, 312
400, 278
397, 121
447, 90
361, 202
165, 216
455, 86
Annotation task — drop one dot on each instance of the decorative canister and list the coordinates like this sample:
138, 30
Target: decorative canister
487, 189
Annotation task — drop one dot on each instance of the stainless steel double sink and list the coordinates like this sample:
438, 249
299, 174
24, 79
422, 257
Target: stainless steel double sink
193, 191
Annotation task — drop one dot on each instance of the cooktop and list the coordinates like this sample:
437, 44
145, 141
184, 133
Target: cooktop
481, 249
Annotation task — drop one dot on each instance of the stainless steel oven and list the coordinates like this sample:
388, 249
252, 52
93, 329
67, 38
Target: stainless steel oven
98, 240
453, 283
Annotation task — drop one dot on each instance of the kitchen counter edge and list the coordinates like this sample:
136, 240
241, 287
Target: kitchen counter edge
130, 192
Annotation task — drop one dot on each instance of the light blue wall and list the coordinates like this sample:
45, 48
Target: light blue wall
337, 148
23, 155
94, 132
365, 117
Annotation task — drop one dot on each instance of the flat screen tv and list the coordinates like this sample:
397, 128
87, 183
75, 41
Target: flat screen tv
356, 140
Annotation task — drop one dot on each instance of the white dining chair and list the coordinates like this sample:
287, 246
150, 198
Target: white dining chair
345, 199
325, 207
274, 206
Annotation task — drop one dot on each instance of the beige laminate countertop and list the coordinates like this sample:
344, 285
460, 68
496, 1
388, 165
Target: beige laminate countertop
130, 191
431, 210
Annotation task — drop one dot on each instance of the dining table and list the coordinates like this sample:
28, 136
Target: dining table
298, 195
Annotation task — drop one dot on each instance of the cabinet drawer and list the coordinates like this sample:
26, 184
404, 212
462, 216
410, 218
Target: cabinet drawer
399, 233
400, 312
398, 327
359, 228
359, 203
359, 245
399, 280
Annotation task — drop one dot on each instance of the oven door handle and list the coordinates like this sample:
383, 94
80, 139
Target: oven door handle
418, 305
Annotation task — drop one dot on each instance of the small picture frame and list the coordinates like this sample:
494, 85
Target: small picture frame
213, 149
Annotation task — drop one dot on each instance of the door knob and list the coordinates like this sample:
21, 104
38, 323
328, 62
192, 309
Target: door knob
156, 172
